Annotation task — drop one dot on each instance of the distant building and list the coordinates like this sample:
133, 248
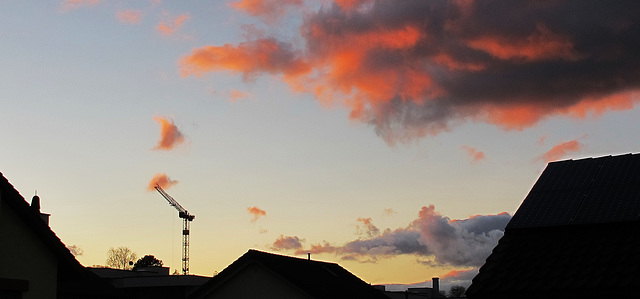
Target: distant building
34, 263
259, 274
575, 235
151, 283
417, 293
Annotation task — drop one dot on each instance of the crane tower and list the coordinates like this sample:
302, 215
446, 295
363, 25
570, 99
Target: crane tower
184, 214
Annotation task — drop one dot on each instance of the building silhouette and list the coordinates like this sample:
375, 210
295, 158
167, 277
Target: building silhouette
34, 263
575, 235
258, 274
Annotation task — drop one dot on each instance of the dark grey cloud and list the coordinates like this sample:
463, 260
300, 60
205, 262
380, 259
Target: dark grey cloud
416, 68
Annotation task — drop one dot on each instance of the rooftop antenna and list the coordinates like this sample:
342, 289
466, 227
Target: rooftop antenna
184, 214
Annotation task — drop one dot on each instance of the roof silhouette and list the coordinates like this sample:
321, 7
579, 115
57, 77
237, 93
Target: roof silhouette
72, 277
576, 234
315, 278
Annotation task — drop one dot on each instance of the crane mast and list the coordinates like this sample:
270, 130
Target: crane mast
184, 214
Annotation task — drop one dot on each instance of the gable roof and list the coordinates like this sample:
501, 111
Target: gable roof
70, 271
576, 234
315, 278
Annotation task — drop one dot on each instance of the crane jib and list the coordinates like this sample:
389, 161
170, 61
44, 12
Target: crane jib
184, 214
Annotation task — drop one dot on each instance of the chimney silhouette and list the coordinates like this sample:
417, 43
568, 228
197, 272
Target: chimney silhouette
435, 287
35, 206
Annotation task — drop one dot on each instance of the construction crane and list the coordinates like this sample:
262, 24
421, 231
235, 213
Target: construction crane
184, 214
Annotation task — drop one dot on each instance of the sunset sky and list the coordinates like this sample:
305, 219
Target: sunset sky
395, 138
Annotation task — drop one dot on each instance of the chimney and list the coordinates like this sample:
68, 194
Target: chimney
435, 287
35, 206
308, 255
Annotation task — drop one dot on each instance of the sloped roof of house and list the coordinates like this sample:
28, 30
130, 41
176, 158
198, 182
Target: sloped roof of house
315, 278
70, 271
577, 233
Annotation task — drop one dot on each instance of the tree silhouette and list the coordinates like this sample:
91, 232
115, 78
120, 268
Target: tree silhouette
121, 258
147, 261
457, 291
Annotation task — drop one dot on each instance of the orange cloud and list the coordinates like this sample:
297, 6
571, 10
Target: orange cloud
167, 28
256, 213
162, 180
129, 16
474, 153
238, 95
264, 55
559, 151
418, 68
73, 4
455, 273
170, 136
539, 45
597, 106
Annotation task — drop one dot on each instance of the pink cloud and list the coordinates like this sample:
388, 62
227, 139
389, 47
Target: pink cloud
475, 154
559, 151
170, 27
256, 213
542, 140
461, 242
367, 228
129, 16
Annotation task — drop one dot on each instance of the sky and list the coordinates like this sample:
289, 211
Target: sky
395, 138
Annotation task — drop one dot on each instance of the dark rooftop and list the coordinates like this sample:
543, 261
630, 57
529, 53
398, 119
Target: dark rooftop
73, 278
317, 279
576, 234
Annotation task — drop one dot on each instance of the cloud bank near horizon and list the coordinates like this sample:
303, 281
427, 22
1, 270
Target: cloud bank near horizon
435, 239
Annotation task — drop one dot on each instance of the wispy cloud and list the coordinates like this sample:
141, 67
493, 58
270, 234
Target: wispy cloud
286, 243
367, 228
542, 140
129, 16
269, 10
73, 4
237, 95
169, 27
162, 180
475, 154
256, 213
170, 136
419, 68
464, 243
561, 150
250, 59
